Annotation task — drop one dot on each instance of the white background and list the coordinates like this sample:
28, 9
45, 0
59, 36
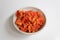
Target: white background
51, 8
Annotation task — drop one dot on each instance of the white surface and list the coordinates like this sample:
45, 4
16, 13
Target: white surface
51, 8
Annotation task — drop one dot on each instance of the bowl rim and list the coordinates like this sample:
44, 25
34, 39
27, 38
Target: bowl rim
14, 18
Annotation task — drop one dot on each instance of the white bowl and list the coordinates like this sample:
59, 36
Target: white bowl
26, 8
